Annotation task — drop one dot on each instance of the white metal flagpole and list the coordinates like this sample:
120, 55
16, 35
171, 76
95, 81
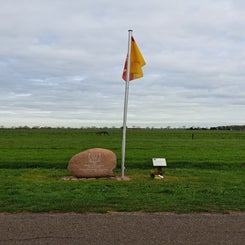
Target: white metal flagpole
126, 103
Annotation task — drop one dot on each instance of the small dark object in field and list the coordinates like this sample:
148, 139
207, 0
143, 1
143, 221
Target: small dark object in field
102, 133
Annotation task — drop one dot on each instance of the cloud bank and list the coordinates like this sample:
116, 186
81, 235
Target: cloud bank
61, 63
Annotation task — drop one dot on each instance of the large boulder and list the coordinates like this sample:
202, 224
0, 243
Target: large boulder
93, 163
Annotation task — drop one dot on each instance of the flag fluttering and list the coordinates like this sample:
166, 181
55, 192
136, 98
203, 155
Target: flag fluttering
136, 63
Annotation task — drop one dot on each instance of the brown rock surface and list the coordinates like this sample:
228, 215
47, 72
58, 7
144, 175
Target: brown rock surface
93, 163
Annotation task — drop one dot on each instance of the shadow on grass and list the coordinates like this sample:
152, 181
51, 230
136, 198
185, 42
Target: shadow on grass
33, 165
143, 166
207, 165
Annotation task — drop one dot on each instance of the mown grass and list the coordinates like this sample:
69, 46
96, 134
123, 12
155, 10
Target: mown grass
203, 174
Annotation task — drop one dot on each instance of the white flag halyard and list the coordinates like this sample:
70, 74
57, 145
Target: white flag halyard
132, 70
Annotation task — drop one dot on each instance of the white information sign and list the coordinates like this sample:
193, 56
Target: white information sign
159, 162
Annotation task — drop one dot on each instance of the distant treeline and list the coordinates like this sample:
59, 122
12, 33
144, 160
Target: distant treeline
231, 127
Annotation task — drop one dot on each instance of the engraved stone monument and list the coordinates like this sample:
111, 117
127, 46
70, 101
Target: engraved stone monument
93, 163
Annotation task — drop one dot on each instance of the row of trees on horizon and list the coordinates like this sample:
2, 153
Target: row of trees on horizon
231, 127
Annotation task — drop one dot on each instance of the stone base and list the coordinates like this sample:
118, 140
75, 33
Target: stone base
73, 178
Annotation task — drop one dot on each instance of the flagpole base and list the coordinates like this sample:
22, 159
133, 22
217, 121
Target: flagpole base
123, 178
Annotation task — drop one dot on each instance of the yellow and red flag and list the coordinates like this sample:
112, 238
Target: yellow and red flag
136, 63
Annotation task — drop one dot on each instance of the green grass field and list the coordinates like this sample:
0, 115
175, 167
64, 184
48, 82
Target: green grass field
203, 174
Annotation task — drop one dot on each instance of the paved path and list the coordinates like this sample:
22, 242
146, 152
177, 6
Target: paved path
122, 228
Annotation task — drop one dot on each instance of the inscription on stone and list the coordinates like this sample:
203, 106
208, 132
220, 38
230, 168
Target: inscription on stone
95, 162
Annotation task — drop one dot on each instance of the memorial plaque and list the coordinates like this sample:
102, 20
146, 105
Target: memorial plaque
93, 163
159, 162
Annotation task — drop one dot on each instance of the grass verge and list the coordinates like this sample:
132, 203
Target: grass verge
181, 191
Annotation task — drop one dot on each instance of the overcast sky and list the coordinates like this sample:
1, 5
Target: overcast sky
61, 62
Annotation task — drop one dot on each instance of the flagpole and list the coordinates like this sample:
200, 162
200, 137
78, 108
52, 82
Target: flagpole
126, 103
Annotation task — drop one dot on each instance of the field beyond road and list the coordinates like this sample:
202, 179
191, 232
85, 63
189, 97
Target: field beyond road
205, 172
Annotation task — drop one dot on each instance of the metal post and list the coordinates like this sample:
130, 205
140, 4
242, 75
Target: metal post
126, 103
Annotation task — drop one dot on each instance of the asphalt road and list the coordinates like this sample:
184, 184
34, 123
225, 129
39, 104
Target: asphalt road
122, 228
